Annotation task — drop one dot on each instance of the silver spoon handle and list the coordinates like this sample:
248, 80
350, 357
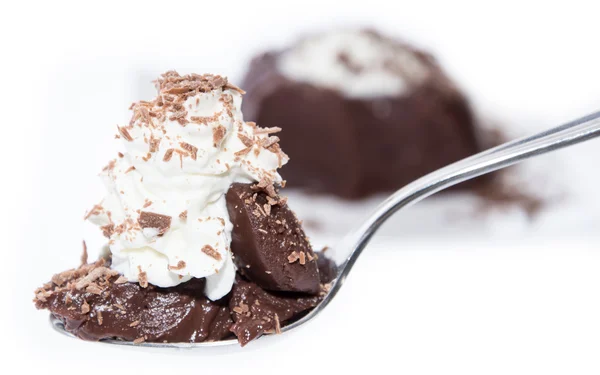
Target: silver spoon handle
510, 153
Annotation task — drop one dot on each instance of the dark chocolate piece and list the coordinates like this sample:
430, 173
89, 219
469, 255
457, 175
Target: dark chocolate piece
354, 147
256, 311
269, 245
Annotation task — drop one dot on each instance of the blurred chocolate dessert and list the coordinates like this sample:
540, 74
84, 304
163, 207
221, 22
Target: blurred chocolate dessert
361, 113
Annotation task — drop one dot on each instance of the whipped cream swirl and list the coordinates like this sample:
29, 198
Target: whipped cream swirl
165, 213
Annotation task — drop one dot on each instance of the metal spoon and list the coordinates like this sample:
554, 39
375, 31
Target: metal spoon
510, 153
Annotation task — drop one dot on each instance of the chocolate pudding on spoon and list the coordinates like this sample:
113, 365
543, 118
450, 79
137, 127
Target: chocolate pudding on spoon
202, 245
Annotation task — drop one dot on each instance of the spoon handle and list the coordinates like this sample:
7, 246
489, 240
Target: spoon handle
499, 157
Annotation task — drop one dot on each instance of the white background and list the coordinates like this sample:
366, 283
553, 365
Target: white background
425, 304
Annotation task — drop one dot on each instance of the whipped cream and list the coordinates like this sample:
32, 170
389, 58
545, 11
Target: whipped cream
357, 63
165, 213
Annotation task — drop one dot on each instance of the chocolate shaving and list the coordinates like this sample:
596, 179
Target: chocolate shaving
110, 166
181, 155
270, 189
154, 143
243, 152
125, 133
156, 221
177, 90
99, 315
96, 210
134, 324
85, 307
176, 116
142, 278
273, 202
193, 150
183, 215
139, 340
120, 229
266, 184
233, 87
237, 310
204, 120
277, 325
108, 230
218, 134
227, 99
245, 140
62, 278
145, 114
94, 289
272, 130
211, 252
180, 265
168, 154
84, 254
302, 258
41, 295
260, 210
269, 141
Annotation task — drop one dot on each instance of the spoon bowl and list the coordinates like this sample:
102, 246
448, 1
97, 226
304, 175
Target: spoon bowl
499, 157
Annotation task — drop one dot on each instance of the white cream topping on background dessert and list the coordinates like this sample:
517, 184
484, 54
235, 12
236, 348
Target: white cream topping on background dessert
165, 214
357, 63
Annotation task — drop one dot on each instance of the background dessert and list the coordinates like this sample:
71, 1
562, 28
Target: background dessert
377, 113
365, 114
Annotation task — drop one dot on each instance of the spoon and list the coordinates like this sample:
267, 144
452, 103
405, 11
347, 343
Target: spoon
510, 153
